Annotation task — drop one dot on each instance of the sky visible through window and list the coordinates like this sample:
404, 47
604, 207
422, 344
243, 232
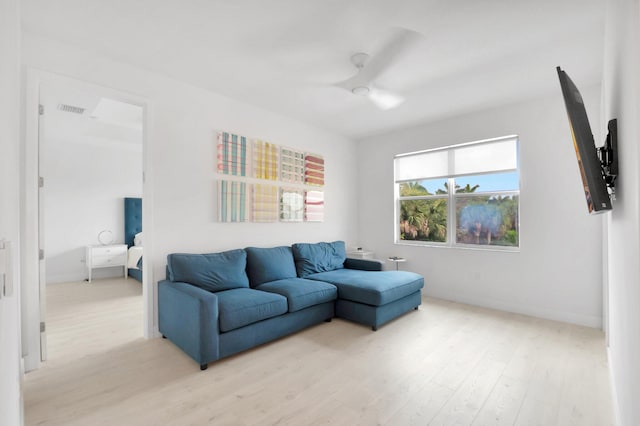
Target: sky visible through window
487, 182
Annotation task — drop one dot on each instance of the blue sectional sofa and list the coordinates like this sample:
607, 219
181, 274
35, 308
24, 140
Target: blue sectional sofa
215, 305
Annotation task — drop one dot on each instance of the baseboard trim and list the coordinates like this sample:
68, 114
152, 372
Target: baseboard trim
533, 311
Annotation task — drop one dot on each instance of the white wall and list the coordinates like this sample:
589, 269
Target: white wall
10, 369
558, 272
621, 89
180, 168
87, 177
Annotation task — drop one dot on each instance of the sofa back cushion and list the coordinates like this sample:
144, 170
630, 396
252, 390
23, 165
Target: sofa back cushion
212, 272
319, 257
269, 264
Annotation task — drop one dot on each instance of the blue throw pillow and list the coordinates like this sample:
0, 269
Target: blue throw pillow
269, 264
318, 257
212, 272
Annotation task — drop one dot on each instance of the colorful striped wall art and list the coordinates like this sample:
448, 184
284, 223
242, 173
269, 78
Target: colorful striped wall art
265, 203
291, 205
232, 154
233, 201
314, 206
242, 201
313, 170
265, 160
291, 166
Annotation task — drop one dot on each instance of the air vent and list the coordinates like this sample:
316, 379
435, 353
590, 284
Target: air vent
71, 108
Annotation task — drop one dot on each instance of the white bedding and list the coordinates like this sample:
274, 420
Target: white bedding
135, 253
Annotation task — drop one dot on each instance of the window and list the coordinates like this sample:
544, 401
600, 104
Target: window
462, 195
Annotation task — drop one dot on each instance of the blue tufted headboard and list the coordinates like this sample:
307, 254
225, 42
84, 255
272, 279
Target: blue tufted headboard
132, 219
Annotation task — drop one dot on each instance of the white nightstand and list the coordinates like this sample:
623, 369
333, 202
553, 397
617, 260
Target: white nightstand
100, 256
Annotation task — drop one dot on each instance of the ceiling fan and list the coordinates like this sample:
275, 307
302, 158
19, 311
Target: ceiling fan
370, 68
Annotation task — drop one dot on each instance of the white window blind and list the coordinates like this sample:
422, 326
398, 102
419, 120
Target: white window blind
496, 155
422, 166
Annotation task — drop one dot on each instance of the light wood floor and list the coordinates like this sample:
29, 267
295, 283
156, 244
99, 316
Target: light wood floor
445, 364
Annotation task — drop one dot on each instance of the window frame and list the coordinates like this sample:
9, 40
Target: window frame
452, 196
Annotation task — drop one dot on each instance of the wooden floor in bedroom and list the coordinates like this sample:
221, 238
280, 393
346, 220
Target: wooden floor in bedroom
444, 364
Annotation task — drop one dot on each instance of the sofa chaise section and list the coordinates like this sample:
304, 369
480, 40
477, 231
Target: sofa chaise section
374, 298
366, 294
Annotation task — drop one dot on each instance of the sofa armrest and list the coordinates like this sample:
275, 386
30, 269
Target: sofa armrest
363, 264
188, 316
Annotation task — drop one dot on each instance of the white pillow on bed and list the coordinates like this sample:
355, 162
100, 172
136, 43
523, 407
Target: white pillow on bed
137, 239
134, 255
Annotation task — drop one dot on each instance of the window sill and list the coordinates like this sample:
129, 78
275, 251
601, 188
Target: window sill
501, 249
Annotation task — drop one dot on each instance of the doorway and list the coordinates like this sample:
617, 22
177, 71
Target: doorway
85, 152
90, 160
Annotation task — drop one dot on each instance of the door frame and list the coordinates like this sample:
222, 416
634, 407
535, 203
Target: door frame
33, 287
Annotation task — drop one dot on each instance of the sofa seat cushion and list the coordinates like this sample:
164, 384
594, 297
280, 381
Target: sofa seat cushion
374, 288
212, 272
302, 293
244, 306
318, 257
269, 264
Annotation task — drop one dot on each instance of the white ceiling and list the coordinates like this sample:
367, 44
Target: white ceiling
105, 121
286, 55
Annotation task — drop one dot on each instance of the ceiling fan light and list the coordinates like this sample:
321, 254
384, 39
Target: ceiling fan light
360, 90
385, 100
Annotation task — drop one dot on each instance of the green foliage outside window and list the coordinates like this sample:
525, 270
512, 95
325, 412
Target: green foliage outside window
483, 219
422, 219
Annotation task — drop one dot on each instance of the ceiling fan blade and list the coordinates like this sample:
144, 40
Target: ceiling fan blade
350, 83
384, 99
401, 40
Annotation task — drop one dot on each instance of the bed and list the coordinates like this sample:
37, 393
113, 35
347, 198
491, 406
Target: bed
133, 236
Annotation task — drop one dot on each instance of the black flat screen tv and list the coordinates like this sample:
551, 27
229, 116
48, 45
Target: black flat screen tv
591, 171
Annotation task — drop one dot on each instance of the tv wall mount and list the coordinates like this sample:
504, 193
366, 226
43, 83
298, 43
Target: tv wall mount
608, 156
